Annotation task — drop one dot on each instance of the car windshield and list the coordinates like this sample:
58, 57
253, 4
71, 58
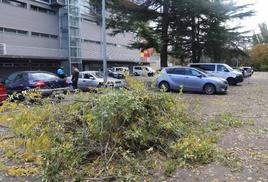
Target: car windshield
42, 76
228, 67
202, 73
98, 74
119, 69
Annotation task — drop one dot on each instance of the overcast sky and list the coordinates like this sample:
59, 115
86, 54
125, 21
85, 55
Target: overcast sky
261, 8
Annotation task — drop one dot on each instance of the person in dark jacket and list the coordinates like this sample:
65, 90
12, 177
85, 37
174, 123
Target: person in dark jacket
75, 76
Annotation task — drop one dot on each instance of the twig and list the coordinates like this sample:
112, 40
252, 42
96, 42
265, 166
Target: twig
3, 126
110, 159
7, 138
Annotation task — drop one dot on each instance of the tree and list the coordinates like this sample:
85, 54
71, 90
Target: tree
259, 57
262, 37
185, 29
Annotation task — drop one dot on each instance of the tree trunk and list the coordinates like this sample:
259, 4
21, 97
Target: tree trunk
164, 34
193, 46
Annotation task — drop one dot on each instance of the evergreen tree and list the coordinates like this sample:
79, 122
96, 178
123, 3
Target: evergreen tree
185, 29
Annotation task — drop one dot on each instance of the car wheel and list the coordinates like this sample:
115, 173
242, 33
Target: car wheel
231, 81
135, 74
209, 89
164, 86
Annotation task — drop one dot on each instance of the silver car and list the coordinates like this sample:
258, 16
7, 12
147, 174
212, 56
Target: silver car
94, 79
190, 79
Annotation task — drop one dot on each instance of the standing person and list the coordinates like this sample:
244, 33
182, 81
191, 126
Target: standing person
75, 76
60, 72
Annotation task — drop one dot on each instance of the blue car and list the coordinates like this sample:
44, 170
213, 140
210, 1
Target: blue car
46, 82
190, 79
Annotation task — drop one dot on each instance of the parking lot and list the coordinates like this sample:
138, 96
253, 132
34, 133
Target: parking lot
248, 100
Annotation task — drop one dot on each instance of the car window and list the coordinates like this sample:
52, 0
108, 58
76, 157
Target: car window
42, 76
12, 77
119, 69
137, 68
88, 76
169, 70
179, 71
207, 67
222, 68
20, 78
192, 72
98, 75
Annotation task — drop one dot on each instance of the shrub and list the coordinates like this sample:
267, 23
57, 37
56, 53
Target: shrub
106, 135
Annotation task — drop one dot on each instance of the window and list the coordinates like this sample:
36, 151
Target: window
138, 68
20, 78
13, 31
53, 36
179, 71
192, 72
207, 67
222, 68
43, 10
43, 35
15, 3
22, 32
9, 30
42, 76
35, 34
170, 70
88, 76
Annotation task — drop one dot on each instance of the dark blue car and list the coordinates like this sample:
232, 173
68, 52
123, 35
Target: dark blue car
46, 82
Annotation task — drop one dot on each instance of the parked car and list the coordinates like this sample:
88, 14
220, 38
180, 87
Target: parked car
190, 79
241, 70
46, 82
248, 71
122, 70
94, 79
220, 70
3, 93
115, 74
143, 71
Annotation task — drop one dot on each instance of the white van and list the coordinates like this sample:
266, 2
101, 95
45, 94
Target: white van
143, 71
220, 70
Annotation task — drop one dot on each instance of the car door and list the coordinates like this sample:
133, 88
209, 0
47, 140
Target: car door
17, 82
80, 83
193, 80
222, 71
88, 81
176, 77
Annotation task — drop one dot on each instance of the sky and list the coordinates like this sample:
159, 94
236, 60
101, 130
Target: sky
261, 8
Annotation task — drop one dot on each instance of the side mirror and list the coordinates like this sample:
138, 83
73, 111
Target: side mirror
92, 78
199, 76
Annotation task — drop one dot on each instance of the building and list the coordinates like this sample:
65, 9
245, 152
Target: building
44, 34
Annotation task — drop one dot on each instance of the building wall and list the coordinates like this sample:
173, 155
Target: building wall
26, 19
116, 45
29, 47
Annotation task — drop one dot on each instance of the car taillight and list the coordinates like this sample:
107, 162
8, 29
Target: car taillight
40, 84
2, 87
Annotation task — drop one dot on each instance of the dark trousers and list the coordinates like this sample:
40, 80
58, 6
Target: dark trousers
75, 84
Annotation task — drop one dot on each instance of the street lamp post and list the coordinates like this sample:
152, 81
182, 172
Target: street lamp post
103, 40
